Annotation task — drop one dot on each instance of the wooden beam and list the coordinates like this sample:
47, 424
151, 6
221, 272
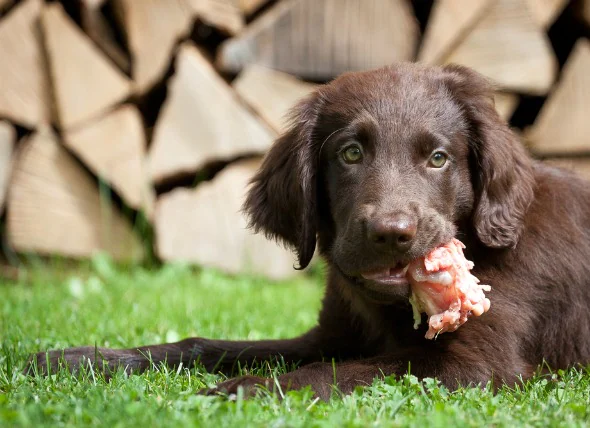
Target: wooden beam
7, 141
320, 39
201, 121
114, 148
449, 22
563, 124
205, 226
509, 47
85, 82
271, 93
54, 207
24, 97
153, 28
225, 15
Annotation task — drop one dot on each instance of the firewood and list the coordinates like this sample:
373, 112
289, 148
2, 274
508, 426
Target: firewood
152, 29
562, 125
24, 97
448, 23
225, 15
319, 39
201, 121
205, 226
545, 12
250, 6
7, 140
54, 207
114, 148
585, 9
508, 46
270, 93
85, 82
505, 104
5, 3
96, 27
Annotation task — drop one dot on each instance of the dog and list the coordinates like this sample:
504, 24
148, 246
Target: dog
376, 170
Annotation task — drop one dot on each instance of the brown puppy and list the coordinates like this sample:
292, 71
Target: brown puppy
380, 167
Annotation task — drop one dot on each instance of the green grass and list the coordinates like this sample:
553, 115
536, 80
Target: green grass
120, 308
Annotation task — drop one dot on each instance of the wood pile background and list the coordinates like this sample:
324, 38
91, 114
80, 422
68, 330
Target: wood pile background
123, 118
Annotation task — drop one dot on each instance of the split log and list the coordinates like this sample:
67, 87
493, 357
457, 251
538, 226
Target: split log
54, 207
270, 93
448, 23
201, 121
585, 5
225, 15
505, 103
96, 27
114, 148
563, 124
509, 47
319, 39
84, 81
580, 165
4, 4
25, 94
545, 12
152, 29
7, 140
205, 226
250, 6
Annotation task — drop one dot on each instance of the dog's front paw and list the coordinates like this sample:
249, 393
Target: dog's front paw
250, 385
72, 359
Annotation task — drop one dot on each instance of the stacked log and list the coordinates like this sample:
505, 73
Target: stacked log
113, 112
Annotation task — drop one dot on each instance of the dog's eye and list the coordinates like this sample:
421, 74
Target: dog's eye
438, 160
352, 154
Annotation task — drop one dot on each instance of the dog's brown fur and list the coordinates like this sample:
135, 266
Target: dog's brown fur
526, 227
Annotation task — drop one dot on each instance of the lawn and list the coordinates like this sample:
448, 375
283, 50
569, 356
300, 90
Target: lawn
109, 306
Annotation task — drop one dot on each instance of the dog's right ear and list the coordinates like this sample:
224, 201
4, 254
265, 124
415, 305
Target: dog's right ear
281, 201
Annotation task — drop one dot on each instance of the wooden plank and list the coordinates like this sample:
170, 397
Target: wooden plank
114, 148
563, 124
205, 226
248, 7
96, 27
54, 207
509, 47
24, 97
448, 23
202, 121
85, 82
153, 28
579, 165
545, 12
7, 141
270, 93
505, 103
225, 15
320, 39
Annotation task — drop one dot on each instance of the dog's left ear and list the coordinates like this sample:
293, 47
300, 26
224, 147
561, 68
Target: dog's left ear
503, 174
281, 201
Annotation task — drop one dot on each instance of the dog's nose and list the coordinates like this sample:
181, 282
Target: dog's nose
396, 230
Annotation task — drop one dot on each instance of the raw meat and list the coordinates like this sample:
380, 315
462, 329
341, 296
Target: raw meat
445, 290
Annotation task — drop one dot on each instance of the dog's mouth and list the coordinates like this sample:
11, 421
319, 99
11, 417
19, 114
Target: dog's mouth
392, 275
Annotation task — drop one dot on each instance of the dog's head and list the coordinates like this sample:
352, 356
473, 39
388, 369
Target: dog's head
382, 166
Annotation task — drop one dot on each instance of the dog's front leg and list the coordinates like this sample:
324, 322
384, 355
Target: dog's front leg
213, 354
